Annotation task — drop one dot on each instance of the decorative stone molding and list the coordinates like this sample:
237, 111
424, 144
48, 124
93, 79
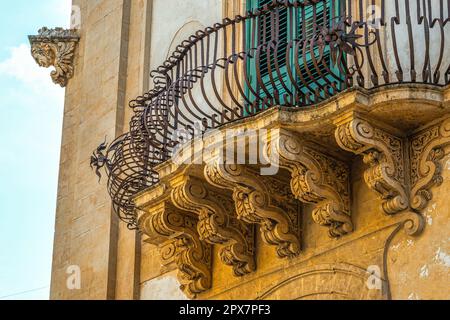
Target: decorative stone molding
427, 151
260, 200
383, 152
55, 47
175, 232
337, 281
317, 179
217, 222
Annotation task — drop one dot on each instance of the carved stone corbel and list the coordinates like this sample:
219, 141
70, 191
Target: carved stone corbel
384, 153
317, 179
217, 222
175, 232
55, 47
255, 203
427, 149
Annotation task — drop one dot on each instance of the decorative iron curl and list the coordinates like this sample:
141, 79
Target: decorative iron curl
127, 173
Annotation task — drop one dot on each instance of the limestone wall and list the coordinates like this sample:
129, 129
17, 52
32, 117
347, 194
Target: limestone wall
419, 268
86, 228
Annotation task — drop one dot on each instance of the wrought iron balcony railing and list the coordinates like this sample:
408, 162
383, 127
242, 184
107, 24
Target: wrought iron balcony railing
282, 52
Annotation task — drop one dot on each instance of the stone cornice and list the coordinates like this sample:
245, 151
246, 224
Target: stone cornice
55, 47
314, 123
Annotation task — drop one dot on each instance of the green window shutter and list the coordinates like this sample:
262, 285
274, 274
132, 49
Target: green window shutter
272, 82
275, 83
318, 76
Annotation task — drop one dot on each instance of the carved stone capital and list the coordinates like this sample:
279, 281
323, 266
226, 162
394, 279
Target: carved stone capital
175, 232
384, 153
260, 200
317, 179
217, 222
427, 149
55, 47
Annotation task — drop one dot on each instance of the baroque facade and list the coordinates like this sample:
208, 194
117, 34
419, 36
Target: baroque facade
278, 149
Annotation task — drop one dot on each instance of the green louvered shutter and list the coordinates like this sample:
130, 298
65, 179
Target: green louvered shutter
271, 80
322, 76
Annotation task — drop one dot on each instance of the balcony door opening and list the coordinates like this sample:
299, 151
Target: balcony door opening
284, 65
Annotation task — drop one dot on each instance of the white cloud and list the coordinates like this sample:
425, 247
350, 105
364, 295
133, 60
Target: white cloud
21, 66
63, 8
29, 99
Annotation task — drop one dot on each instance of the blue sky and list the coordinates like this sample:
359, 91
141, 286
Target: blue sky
31, 109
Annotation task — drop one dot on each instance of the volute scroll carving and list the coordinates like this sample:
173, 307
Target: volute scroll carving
384, 153
217, 222
317, 179
174, 232
255, 204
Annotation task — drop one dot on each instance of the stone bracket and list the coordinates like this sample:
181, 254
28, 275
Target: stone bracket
175, 232
317, 179
55, 47
385, 155
217, 221
255, 204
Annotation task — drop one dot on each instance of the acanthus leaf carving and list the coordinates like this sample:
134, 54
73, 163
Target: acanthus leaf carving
217, 222
174, 231
317, 179
255, 204
427, 149
384, 153
55, 47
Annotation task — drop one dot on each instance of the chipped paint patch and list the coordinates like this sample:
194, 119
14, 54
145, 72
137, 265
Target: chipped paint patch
448, 164
409, 243
432, 208
413, 296
403, 276
395, 247
429, 219
424, 272
442, 258
165, 287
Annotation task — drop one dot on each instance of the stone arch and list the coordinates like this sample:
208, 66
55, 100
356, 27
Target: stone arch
325, 282
188, 29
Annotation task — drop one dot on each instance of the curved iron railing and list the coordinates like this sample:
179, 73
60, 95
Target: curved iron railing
292, 53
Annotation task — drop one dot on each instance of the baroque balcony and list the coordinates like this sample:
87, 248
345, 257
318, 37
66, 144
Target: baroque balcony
320, 82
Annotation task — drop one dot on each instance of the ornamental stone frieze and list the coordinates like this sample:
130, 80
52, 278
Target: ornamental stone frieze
317, 179
55, 47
